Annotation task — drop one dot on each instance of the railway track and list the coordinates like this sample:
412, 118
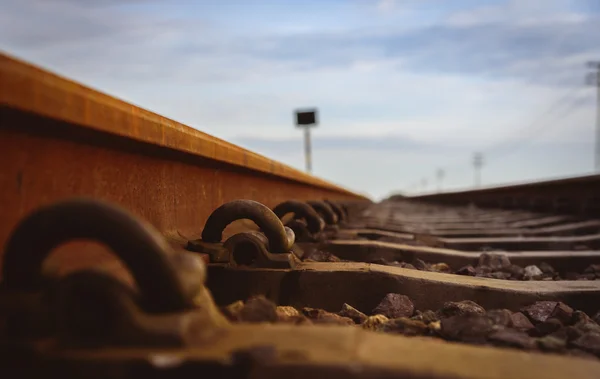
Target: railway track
206, 259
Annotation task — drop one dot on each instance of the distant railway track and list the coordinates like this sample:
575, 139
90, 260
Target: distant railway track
210, 269
576, 196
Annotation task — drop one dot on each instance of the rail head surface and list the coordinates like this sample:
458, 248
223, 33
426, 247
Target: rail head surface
61, 139
31, 89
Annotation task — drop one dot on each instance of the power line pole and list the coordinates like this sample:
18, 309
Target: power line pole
307, 149
593, 78
307, 119
440, 177
477, 163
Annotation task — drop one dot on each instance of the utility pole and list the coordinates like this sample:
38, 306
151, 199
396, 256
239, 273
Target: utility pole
477, 163
440, 177
593, 79
306, 119
307, 149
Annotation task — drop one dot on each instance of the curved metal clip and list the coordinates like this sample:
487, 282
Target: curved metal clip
325, 211
280, 238
91, 307
303, 234
306, 223
250, 249
141, 247
338, 210
215, 250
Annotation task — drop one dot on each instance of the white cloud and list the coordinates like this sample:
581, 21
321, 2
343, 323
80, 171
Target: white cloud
385, 83
386, 5
517, 12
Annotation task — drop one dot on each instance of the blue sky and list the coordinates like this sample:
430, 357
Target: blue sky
403, 87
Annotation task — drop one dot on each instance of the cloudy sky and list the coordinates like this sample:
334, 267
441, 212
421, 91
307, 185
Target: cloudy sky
403, 87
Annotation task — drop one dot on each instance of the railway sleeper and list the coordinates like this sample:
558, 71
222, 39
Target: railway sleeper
525, 265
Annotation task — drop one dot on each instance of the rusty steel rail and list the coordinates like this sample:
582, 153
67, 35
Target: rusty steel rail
180, 318
577, 195
60, 138
416, 237
220, 262
396, 248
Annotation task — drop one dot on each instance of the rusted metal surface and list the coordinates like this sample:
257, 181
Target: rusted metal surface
343, 288
90, 308
301, 210
325, 210
251, 249
568, 228
272, 248
280, 239
338, 209
99, 325
60, 139
140, 247
578, 195
431, 286
35, 91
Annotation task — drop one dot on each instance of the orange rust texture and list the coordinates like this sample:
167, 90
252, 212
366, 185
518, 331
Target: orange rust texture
72, 141
31, 89
171, 194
